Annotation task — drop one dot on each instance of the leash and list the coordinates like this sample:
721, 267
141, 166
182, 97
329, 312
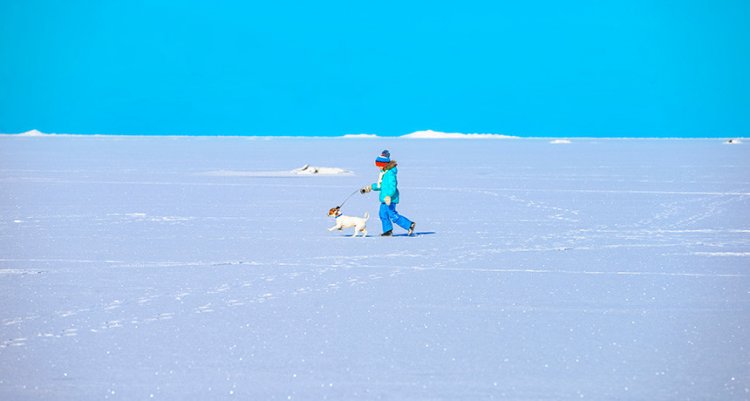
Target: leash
347, 198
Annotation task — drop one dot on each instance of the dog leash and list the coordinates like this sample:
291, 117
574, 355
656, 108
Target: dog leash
347, 198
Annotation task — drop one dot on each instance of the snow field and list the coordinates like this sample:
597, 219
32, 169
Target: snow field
604, 269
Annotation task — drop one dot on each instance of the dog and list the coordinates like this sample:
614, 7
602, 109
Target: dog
342, 222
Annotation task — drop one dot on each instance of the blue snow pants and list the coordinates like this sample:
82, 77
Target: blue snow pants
389, 214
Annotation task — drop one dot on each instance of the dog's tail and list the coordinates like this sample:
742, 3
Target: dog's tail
367, 216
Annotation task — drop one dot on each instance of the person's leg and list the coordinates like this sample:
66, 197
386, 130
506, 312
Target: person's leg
400, 220
385, 218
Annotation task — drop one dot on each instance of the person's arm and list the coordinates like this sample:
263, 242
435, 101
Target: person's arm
388, 188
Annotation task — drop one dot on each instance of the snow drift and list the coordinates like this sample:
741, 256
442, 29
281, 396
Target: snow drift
33, 133
306, 170
313, 170
430, 134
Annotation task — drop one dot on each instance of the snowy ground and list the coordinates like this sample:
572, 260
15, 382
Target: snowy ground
202, 269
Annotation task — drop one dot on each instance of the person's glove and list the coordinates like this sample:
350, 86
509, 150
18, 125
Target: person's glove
365, 189
388, 200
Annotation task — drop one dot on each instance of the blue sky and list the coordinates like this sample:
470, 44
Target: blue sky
531, 68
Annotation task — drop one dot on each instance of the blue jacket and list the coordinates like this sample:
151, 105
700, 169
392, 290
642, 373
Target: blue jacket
387, 185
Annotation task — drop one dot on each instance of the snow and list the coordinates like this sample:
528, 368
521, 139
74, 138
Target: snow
33, 133
608, 270
313, 170
306, 170
560, 141
430, 134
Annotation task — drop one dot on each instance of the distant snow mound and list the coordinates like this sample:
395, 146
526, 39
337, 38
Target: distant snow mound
560, 142
430, 134
33, 133
312, 170
360, 136
733, 141
306, 170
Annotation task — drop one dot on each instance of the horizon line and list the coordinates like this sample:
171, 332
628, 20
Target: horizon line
424, 134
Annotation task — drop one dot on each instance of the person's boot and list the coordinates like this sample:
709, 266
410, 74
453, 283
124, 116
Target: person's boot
411, 229
387, 233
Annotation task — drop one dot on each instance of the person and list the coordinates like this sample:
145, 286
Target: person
388, 186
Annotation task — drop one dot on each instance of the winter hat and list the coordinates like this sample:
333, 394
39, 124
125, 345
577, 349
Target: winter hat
383, 159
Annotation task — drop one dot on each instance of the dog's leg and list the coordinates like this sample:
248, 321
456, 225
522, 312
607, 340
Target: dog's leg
360, 229
334, 228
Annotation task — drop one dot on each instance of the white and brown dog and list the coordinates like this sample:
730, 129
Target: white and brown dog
342, 222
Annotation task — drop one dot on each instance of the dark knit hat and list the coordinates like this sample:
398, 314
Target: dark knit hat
383, 159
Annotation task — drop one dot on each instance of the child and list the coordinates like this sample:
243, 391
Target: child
387, 185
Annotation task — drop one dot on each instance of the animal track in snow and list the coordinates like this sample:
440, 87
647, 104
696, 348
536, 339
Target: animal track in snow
14, 342
135, 311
